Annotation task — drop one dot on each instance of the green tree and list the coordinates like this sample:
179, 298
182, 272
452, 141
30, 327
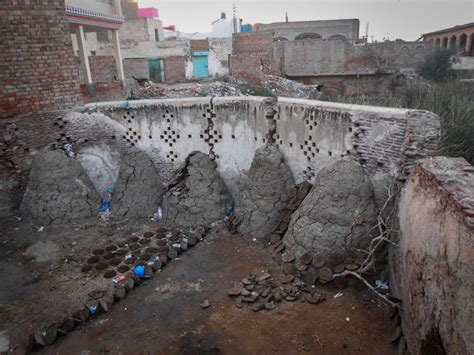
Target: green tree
437, 65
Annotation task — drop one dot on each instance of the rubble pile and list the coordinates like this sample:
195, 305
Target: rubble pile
263, 292
229, 87
288, 88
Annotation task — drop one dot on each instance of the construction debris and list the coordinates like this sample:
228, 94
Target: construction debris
263, 292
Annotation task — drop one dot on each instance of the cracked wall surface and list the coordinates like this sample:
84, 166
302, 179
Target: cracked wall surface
336, 216
139, 190
197, 195
59, 190
264, 194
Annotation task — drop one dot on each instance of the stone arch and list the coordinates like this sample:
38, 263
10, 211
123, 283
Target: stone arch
280, 39
471, 45
445, 42
438, 42
463, 42
453, 42
337, 37
308, 35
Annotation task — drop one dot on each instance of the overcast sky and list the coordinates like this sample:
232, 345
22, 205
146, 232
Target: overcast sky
405, 19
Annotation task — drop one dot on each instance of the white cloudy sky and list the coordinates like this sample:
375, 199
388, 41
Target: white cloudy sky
405, 19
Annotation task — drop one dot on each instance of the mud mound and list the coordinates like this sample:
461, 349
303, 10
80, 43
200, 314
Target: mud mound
264, 196
336, 216
58, 190
197, 195
139, 190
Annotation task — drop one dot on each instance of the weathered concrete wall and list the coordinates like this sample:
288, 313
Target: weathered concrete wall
436, 257
310, 134
340, 57
348, 28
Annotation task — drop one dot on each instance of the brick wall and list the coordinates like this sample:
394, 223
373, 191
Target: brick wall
37, 65
103, 92
199, 45
103, 69
175, 68
137, 68
253, 57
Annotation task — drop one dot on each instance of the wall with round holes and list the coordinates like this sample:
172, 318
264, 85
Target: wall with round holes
311, 134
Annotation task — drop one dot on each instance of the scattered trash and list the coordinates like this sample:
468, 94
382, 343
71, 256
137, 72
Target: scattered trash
229, 209
39, 228
128, 256
126, 105
205, 303
348, 319
383, 285
158, 215
139, 270
339, 294
92, 309
119, 279
104, 211
69, 151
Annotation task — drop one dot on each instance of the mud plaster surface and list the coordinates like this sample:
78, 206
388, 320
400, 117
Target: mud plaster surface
165, 317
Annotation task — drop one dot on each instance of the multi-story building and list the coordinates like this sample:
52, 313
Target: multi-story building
91, 16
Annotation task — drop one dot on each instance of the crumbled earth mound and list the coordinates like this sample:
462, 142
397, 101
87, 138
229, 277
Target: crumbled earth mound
139, 190
58, 190
336, 216
265, 194
198, 195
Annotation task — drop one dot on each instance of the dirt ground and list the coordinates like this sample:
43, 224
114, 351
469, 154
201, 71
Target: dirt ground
165, 317
40, 273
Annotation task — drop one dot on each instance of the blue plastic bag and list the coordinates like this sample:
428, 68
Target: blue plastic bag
104, 207
139, 270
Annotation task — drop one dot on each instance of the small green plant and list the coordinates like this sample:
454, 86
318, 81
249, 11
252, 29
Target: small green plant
437, 65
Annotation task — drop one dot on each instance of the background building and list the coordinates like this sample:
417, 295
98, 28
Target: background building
460, 38
327, 29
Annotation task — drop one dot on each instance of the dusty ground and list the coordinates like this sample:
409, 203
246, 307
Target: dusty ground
40, 272
165, 317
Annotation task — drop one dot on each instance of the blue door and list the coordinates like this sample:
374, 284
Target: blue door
200, 66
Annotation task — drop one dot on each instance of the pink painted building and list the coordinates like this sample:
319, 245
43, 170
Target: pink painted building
148, 12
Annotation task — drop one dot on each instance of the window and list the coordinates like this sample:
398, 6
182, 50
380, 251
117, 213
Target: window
157, 35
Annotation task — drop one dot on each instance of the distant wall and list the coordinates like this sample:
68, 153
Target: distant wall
136, 67
175, 68
348, 28
340, 57
436, 257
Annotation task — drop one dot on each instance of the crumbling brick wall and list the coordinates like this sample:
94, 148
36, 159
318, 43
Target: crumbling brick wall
175, 68
253, 56
38, 70
436, 257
